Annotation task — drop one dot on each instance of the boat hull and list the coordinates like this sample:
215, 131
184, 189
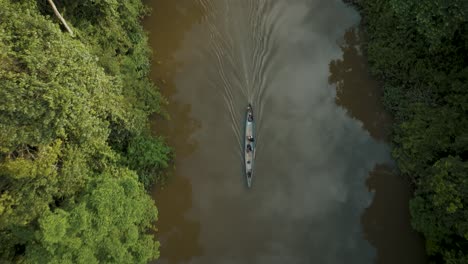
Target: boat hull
249, 155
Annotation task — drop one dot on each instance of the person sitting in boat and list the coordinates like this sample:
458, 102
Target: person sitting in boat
249, 148
250, 117
249, 174
250, 138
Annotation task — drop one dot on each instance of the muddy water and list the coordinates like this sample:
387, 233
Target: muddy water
323, 189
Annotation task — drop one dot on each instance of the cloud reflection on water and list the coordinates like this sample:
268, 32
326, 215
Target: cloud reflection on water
313, 159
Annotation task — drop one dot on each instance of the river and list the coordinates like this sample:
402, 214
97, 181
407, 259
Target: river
324, 188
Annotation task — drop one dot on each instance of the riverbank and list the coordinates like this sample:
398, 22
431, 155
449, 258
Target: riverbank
419, 52
76, 150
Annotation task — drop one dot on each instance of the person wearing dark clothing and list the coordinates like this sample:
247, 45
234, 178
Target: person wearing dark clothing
249, 148
250, 117
250, 138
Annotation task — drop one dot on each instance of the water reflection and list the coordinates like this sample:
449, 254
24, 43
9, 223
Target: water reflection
309, 190
178, 233
386, 221
356, 90
314, 156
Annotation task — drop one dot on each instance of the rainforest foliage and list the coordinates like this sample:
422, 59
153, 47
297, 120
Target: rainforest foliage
419, 49
75, 149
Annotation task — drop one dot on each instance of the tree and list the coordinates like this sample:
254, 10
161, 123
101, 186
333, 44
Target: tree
439, 209
419, 49
59, 16
437, 20
65, 194
148, 156
105, 225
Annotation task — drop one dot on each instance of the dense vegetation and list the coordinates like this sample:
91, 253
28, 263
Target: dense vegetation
419, 49
75, 147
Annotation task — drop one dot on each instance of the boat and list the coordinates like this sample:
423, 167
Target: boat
249, 144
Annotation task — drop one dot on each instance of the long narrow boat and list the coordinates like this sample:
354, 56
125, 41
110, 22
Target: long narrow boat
249, 144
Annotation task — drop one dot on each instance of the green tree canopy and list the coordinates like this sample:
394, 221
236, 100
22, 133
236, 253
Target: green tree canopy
73, 120
419, 49
105, 225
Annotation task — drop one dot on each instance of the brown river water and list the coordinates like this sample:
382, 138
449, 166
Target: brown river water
324, 188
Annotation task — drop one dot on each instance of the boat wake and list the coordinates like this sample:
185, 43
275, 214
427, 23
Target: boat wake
245, 54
